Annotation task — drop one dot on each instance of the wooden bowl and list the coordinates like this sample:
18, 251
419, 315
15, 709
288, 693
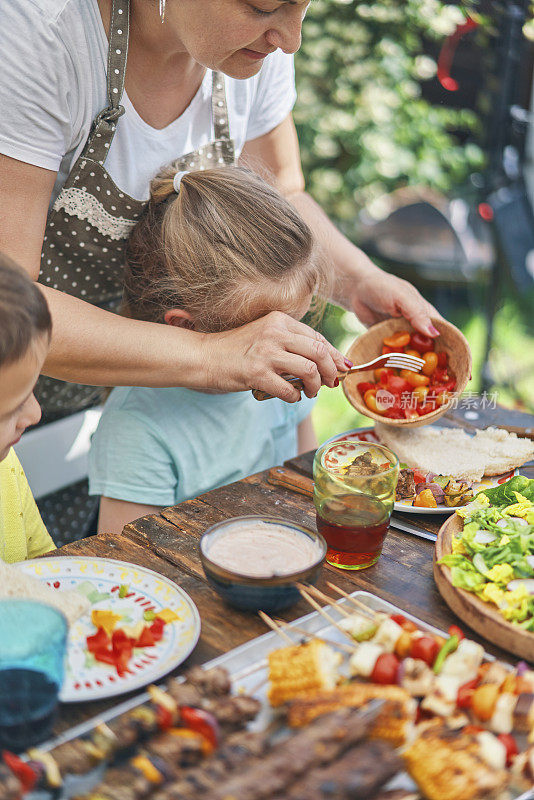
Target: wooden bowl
482, 617
369, 345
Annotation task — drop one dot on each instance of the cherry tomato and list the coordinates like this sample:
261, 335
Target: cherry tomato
369, 399
410, 352
420, 393
442, 359
386, 350
440, 375
386, 669
421, 343
381, 374
411, 413
398, 339
414, 378
363, 386
426, 409
464, 698
431, 362
510, 746
454, 630
426, 648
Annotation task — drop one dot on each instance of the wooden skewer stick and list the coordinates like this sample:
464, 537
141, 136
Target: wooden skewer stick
351, 599
346, 648
276, 628
330, 600
322, 612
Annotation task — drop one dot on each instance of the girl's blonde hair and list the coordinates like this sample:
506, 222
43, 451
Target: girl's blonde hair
227, 248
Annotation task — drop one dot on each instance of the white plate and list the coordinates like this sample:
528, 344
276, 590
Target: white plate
99, 580
406, 505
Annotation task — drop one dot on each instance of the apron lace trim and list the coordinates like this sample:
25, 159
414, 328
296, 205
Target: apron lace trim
82, 204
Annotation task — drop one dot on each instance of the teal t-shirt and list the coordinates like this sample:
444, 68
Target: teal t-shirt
163, 446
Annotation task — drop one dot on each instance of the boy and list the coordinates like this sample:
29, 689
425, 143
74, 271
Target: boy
25, 328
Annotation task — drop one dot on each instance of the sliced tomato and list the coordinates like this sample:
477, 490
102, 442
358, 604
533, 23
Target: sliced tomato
442, 359
398, 339
386, 669
156, 629
426, 409
201, 722
421, 343
381, 374
397, 385
414, 378
464, 698
363, 386
386, 350
394, 412
425, 648
146, 639
399, 619
440, 375
510, 746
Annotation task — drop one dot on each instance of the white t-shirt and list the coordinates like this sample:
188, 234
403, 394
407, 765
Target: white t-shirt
53, 58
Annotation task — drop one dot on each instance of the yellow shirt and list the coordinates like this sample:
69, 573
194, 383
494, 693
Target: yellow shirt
22, 531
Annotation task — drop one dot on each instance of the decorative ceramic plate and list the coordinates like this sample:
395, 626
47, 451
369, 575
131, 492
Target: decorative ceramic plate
99, 579
406, 505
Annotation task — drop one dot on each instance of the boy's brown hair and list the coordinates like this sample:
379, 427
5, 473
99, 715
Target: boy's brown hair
227, 248
24, 313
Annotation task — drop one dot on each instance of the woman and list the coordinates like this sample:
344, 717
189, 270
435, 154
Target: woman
204, 81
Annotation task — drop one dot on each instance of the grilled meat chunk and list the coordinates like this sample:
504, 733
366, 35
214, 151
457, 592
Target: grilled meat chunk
233, 712
210, 682
122, 783
405, 485
321, 742
355, 776
75, 758
177, 750
185, 694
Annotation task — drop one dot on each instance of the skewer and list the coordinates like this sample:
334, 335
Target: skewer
276, 628
344, 647
330, 600
351, 599
322, 612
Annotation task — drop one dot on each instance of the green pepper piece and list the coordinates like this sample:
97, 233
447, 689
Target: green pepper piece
366, 634
123, 590
149, 615
449, 647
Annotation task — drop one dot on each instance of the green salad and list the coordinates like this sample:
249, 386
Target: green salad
494, 554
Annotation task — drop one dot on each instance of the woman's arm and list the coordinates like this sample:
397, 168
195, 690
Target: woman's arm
95, 347
360, 285
306, 438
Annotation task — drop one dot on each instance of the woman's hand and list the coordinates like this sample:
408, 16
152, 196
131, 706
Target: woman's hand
379, 295
256, 355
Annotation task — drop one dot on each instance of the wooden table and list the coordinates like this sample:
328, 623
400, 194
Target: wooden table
167, 543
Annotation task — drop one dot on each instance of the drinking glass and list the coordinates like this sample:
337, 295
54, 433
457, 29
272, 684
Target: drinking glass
32, 648
354, 494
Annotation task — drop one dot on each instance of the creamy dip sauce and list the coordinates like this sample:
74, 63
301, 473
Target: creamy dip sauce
261, 549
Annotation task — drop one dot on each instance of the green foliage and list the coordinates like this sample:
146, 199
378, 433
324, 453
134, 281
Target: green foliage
363, 125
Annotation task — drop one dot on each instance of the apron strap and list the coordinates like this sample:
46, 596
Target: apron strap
105, 123
219, 107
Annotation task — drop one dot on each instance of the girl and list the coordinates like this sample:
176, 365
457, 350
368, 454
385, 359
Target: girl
215, 250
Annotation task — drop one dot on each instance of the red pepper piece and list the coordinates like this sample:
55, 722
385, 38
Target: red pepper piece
20, 770
464, 697
510, 745
156, 629
99, 641
164, 718
363, 386
146, 639
201, 722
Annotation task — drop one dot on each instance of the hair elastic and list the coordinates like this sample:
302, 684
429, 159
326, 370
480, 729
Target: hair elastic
178, 179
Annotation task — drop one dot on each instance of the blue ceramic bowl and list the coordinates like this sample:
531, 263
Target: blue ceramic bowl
266, 593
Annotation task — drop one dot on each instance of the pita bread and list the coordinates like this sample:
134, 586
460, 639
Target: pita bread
15, 584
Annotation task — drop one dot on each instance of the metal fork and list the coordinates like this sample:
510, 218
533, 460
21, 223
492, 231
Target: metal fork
391, 360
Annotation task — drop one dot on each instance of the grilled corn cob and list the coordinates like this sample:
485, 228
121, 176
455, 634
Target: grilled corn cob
394, 722
300, 670
448, 765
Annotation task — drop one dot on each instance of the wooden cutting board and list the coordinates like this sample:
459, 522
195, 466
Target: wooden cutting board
482, 617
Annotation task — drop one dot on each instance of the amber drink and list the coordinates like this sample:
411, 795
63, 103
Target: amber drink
354, 494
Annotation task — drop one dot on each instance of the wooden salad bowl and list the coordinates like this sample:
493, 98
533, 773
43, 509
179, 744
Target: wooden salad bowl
369, 345
482, 617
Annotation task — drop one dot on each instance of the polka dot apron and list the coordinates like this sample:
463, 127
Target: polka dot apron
91, 219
